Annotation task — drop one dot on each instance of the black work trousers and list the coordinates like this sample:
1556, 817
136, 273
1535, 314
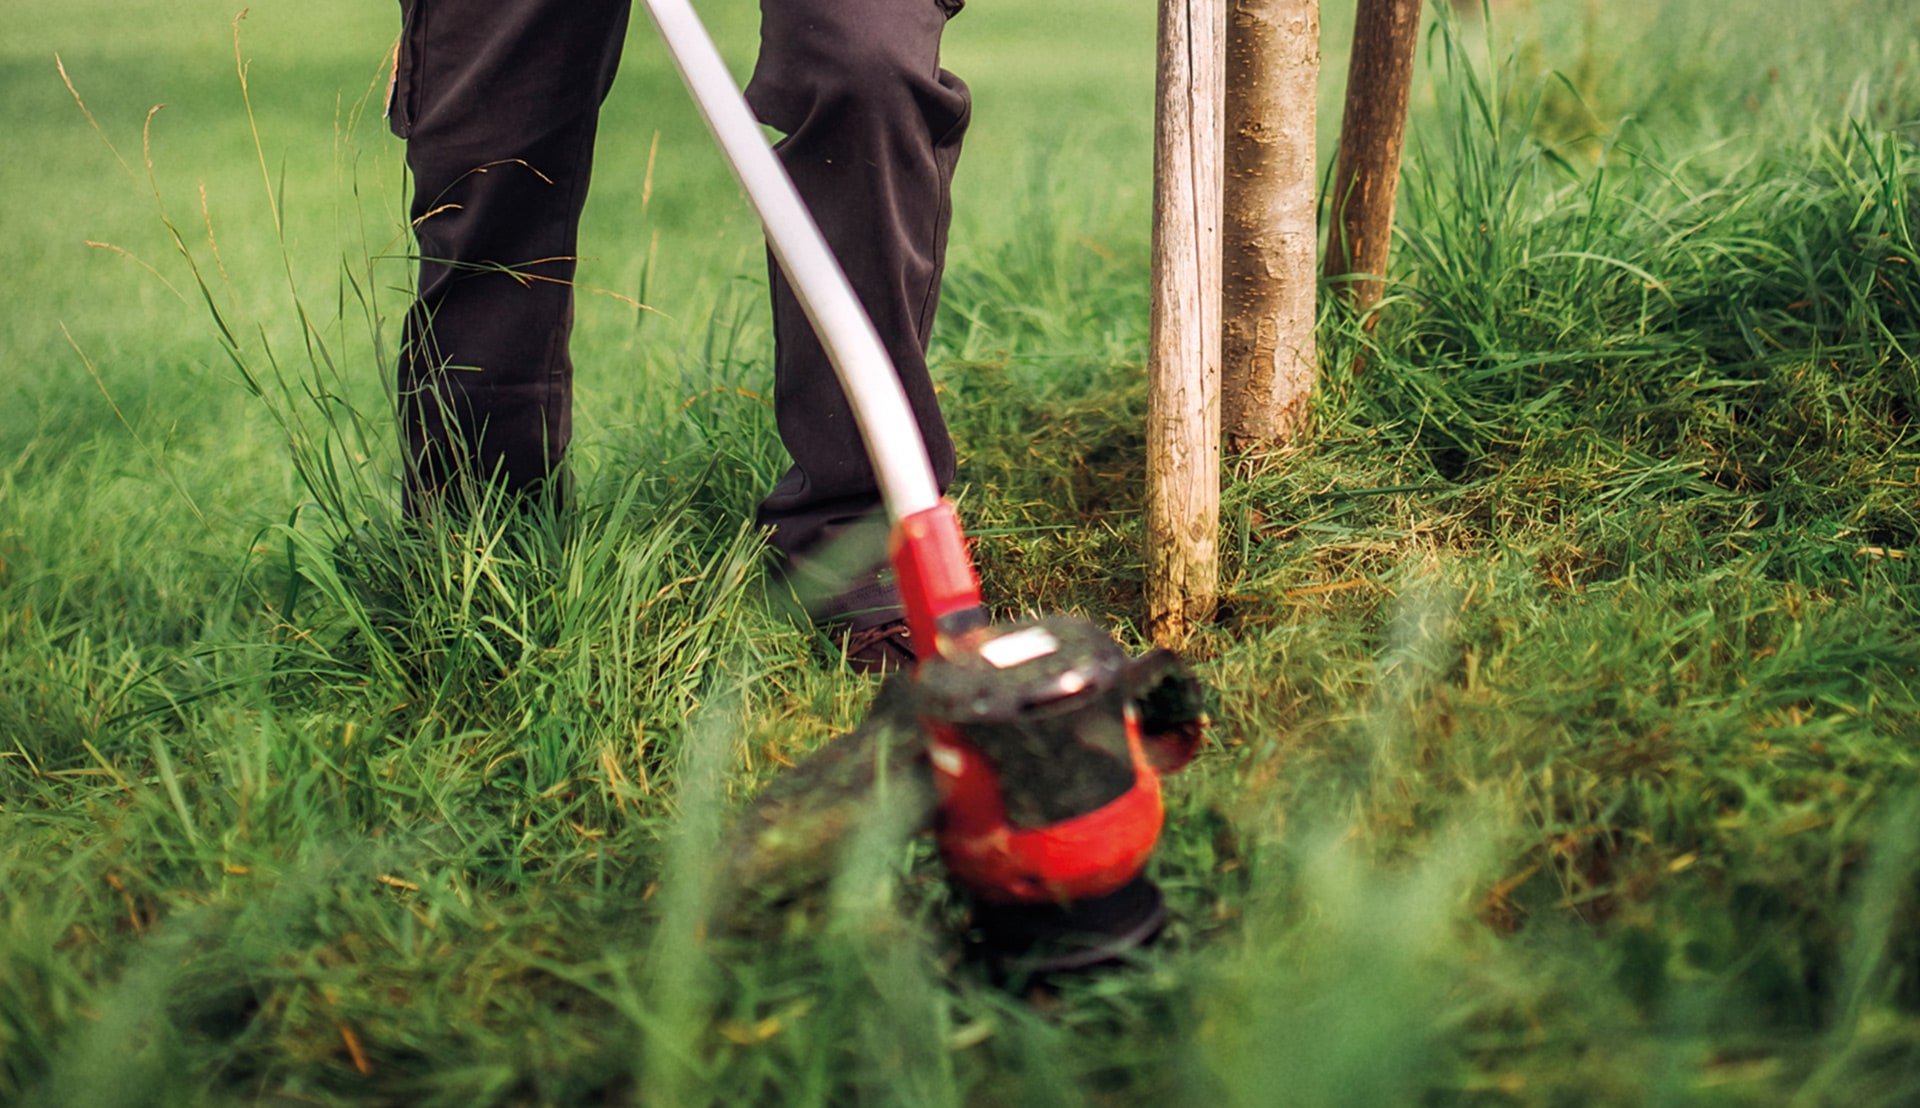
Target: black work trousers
499, 102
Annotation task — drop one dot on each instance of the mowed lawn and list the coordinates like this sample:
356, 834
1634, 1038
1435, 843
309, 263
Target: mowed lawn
1563, 689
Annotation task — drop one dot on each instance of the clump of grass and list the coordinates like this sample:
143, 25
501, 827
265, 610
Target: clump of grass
1579, 366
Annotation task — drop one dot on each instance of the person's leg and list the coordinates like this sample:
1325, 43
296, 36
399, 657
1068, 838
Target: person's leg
872, 133
498, 101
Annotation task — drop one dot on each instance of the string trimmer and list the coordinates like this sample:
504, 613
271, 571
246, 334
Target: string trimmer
1046, 742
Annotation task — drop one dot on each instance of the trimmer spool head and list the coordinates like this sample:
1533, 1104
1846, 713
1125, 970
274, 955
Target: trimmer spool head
1047, 744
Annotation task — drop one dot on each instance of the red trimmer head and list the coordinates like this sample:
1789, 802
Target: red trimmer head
1047, 744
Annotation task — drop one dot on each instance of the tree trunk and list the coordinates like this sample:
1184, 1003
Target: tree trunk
1183, 359
1268, 355
1372, 130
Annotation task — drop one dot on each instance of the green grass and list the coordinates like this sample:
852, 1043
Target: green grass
1564, 692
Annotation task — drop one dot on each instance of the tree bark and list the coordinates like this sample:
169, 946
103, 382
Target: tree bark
1268, 355
1373, 129
1183, 359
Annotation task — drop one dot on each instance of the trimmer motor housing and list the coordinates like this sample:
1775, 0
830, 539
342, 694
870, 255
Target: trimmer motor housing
1047, 744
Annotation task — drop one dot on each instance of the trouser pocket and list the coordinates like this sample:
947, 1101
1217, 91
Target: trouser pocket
403, 87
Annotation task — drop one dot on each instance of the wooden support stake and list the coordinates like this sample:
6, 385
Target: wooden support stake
1183, 358
1372, 130
1268, 355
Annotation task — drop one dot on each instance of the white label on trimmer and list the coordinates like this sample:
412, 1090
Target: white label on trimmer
1019, 646
946, 759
